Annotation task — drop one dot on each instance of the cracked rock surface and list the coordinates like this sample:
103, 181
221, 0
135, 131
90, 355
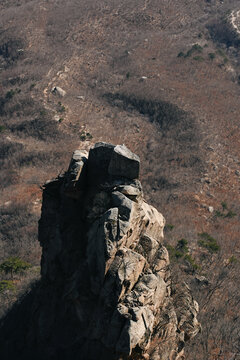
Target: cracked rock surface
106, 290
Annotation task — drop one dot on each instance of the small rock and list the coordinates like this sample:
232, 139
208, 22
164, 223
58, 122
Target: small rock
123, 203
129, 190
56, 90
206, 180
210, 209
237, 172
56, 117
79, 154
7, 203
76, 174
202, 280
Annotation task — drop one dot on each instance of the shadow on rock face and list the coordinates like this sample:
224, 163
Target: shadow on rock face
106, 287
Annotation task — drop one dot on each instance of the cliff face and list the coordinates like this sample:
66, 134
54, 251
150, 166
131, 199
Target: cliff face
105, 268
106, 290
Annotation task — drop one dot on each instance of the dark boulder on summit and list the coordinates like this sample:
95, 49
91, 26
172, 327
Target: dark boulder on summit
124, 163
107, 161
98, 162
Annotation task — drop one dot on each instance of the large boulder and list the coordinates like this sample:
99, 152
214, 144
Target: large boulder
107, 161
98, 162
124, 163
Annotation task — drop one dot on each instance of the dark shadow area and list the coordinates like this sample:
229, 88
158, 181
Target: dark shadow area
16, 325
163, 113
41, 129
11, 50
222, 33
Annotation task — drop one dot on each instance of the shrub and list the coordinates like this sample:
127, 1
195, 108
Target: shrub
14, 265
42, 129
169, 227
61, 108
9, 95
85, 136
181, 54
182, 246
171, 251
191, 262
224, 205
208, 242
219, 213
178, 254
198, 58
233, 260
181, 252
6, 285
195, 48
230, 214
180, 249
211, 56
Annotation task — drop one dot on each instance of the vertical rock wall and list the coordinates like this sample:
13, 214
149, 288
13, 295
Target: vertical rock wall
106, 288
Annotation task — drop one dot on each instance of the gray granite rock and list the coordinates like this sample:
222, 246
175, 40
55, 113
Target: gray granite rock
124, 163
123, 203
106, 291
98, 163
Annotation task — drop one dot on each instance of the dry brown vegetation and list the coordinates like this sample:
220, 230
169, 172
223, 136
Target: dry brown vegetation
126, 83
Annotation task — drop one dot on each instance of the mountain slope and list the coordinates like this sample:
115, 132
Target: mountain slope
155, 75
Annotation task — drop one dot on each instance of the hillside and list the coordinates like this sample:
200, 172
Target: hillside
160, 77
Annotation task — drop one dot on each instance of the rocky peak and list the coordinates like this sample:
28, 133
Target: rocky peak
106, 289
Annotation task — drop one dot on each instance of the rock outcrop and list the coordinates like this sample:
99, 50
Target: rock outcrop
106, 290
234, 21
